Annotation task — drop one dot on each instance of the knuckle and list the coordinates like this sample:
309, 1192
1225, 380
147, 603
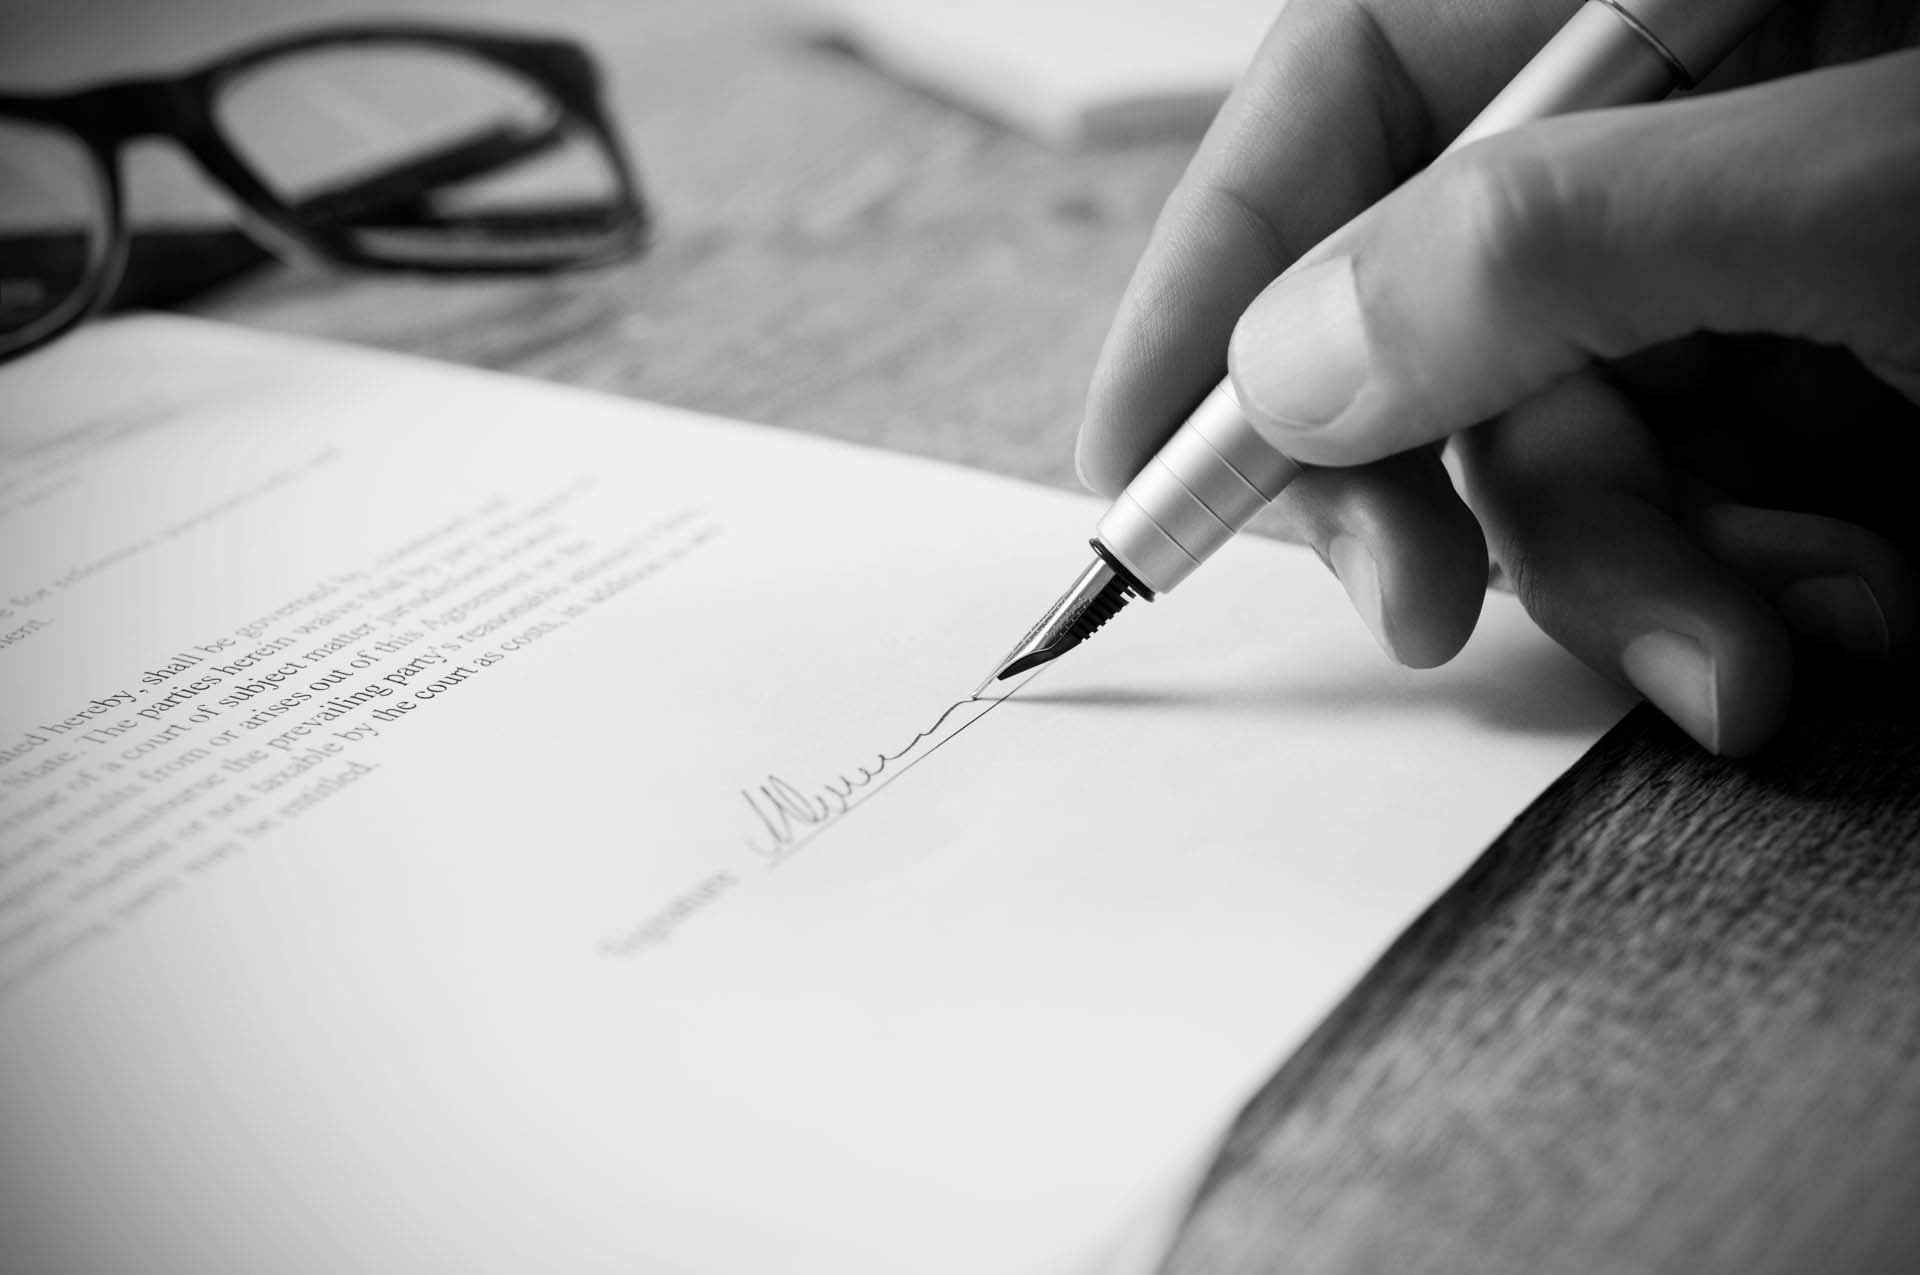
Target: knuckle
1509, 203
1538, 580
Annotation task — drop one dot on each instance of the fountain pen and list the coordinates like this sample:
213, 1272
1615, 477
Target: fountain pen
1215, 473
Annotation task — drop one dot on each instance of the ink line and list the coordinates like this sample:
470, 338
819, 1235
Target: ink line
792, 805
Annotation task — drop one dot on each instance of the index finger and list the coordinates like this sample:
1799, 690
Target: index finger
1344, 99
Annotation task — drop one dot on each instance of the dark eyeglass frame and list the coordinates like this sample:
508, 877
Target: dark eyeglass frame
104, 118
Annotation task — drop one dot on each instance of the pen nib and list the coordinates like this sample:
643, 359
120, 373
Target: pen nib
1094, 599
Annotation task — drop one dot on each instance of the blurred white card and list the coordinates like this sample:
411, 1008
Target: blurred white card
450, 823
1071, 72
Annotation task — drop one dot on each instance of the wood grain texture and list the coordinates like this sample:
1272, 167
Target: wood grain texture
1670, 1023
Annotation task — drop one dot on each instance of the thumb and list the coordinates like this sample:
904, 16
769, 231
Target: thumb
1792, 208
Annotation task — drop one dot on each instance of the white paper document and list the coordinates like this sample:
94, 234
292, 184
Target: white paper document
455, 824
1071, 72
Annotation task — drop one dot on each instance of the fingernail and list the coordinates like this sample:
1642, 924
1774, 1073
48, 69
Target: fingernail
1300, 352
1359, 575
1676, 674
1837, 611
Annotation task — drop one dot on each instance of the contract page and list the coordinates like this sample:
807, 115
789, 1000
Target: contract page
455, 824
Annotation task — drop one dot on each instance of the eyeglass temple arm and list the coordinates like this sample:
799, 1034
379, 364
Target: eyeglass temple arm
166, 267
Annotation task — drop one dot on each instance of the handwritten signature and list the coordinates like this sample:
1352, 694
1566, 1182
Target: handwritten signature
788, 814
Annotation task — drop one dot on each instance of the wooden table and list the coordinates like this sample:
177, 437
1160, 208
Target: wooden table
1671, 1021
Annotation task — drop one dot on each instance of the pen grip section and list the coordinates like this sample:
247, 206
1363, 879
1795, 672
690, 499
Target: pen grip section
1203, 486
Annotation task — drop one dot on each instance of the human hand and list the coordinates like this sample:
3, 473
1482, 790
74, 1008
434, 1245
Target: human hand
1549, 299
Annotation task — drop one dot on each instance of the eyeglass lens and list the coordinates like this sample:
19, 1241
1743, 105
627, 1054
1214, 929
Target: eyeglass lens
54, 228
418, 154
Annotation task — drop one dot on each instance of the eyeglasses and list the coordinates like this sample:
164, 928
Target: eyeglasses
384, 147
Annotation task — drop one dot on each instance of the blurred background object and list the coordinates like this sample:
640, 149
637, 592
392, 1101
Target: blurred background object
415, 147
1070, 72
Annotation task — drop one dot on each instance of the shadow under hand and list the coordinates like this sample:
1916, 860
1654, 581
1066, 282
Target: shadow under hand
1538, 690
